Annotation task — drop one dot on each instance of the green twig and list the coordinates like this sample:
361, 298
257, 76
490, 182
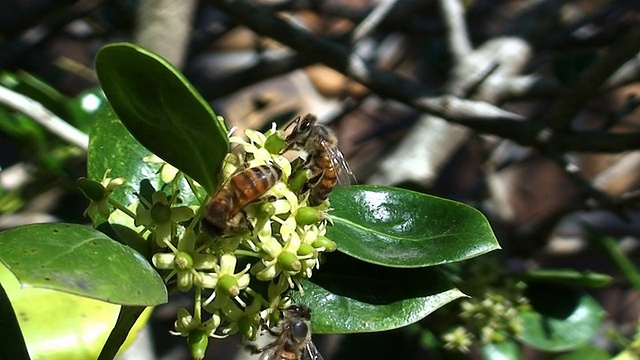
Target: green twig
122, 208
619, 258
126, 319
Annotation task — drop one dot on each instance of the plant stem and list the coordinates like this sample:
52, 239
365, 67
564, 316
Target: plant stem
122, 208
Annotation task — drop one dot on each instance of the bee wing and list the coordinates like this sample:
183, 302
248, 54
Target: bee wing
345, 175
310, 352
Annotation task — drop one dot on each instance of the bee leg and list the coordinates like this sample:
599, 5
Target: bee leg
246, 223
274, 332
314, 180
239, 222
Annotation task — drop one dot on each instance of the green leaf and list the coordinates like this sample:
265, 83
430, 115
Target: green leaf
587, 352
347, 295
562, 317
84, 108
506, 350
58, 325
112, 147
82, 261
569, 277
13, 347
163, 111
396, 227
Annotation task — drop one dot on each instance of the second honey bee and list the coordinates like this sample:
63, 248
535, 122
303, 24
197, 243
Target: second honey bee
325, 161
293, 338
223, 211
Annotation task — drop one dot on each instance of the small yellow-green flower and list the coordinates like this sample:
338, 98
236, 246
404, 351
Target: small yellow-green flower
98, 193
161, 217
185, 323
228, 284
282, 246
458, 339
245, 321
185, 262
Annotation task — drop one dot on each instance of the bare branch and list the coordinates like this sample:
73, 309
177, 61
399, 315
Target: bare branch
338, 57
457, 36
375, 17
627, 73
432, 141
572, 100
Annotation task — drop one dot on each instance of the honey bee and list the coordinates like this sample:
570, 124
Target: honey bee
223, 211
325, 161
293, 338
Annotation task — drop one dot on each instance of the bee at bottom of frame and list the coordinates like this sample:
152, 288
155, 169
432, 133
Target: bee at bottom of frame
293, 337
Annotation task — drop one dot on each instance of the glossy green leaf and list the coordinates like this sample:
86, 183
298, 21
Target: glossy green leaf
506, 350
347, 295
562, 318
58, 325
82, 261
569, 277
401, 228
163, 110
112, 147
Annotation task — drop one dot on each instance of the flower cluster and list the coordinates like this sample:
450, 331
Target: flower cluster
492, 318
240, 276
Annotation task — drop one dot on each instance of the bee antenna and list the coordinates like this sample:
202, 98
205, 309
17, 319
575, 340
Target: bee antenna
295, 121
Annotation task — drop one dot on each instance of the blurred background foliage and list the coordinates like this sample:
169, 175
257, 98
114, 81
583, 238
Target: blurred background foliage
525, 110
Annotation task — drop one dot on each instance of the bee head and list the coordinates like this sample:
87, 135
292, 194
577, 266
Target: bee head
302, 128
299, 311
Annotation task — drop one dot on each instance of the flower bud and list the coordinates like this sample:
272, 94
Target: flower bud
197, 342
228, 285
308, 215
326, 243
306, 249
267, 210
289, 261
